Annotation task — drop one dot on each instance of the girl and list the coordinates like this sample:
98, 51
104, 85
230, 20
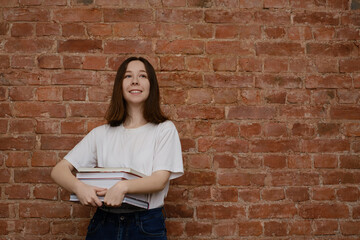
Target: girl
137, 136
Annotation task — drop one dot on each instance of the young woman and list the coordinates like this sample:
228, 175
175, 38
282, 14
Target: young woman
137, 136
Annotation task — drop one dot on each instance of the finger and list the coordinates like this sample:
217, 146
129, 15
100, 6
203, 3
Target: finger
101, 193
97, 202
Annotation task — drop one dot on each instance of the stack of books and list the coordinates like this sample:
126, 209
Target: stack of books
108, 177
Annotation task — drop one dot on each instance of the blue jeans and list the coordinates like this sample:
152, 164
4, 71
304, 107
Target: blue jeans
148, 224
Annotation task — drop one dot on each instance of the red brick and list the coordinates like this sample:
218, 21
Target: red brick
74, 94
198, 229
87, 109
17, 159
28, 45
250, 228
128, 15
180, 46
273, 194
274, 146
222, 16
26, 14
327, 65
227, 31
275, 161
350, 162
22, 126
219, 212
299, 162
175, 228
72, 62
348, 194
251, 112
331, 50
222, 80
323, 193
224, 161
94, 62
200, 194
252, 32
58, 143
44, 210
350, 228
179, 15
250, 130
345, 112
337, 177
300, 228
275, 32
224, 194
17, 143
18, 192
225, 96
77, 15
62, 227
279, 49
348, 96
324, 210
272, 17
350, 65
47, 29
48, 192
329, 81
275, 228
225, 229
323, 227
271, 81
200, 161
275, 3
32, 109
180, 79
22, 30
314, 18
272, 211
43, 159
223, 145
297, 194
22, 61
240, 179
294, 179
50, 62
325, 161
251, 195
32, 175
200, 112
179, 211
99, 29
127, 46
195, 178
230, 47
79, 45
47, 126
201, 31
172, 63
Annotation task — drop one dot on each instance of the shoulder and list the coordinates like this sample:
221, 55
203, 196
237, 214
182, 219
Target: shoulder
167, 125
99, 130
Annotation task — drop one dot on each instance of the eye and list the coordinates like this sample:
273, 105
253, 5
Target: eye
127, 76
143, 76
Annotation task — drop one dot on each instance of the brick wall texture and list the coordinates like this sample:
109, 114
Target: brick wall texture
265, 95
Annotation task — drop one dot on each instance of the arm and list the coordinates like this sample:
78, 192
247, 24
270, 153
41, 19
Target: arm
87, 194
154, 183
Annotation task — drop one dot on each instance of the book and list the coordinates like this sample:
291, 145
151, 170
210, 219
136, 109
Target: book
127, 200
108, 177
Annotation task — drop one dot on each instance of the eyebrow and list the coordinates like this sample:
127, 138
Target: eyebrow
140, 71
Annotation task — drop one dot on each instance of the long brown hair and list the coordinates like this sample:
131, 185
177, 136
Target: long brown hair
117, 111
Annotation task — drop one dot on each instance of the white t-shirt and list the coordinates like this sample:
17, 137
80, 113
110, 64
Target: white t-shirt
146, 149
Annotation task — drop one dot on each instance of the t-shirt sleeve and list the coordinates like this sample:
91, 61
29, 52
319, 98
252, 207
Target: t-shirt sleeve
168, 155
84, 154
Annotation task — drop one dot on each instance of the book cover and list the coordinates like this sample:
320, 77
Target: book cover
127, 199
111, 170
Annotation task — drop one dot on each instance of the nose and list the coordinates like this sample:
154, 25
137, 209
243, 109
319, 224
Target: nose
135, 81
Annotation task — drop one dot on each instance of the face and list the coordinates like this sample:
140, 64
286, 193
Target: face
136, 85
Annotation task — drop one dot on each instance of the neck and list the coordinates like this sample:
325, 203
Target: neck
135, 118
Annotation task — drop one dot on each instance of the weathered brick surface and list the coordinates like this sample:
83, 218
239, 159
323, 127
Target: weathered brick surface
265, 95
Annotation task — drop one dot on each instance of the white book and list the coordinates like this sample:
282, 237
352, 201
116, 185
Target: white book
111, 170
108, 177
127, 199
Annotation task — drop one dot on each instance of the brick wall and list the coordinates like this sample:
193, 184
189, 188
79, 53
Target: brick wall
265, 95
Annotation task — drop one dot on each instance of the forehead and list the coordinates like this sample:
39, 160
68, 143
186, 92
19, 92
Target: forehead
136, 66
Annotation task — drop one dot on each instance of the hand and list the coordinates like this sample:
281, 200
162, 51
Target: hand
88, 195
115, 195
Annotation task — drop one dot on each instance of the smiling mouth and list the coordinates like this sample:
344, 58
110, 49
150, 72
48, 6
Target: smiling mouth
135, 91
